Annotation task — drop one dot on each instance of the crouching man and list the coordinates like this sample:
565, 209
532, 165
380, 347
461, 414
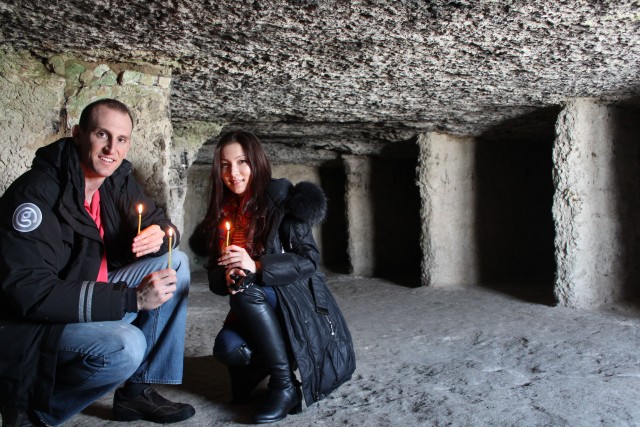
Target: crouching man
87, 297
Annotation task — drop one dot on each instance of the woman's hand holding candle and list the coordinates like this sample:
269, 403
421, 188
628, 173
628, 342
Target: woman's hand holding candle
148, 241
237, 257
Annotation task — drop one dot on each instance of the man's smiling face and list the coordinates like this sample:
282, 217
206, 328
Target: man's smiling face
105, 143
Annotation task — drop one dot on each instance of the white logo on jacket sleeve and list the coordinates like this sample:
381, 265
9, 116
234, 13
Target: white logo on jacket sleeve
27, 217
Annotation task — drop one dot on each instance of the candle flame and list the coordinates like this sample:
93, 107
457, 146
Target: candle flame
140, 208
228, 225
170, 231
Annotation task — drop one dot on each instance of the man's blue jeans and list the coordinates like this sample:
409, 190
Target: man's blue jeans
145, 347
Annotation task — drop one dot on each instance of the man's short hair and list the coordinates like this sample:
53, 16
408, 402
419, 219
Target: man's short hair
112, 104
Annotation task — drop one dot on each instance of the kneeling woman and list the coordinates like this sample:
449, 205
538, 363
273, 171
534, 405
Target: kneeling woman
262, 253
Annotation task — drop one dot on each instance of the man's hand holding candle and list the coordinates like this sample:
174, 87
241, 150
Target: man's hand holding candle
148, 241
156, 289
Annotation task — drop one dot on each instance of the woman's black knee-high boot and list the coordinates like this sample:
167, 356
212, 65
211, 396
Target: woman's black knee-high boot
246, 370
243, 380
284, 396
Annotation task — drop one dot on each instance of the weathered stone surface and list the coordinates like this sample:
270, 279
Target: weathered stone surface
195, 204
30, 108
596, 162
447, 182
359, 216
452, 66
187, 140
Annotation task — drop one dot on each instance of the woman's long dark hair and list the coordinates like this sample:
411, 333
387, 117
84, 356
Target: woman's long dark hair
253, 203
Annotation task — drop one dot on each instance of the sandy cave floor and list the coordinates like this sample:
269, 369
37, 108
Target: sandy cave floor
437, 357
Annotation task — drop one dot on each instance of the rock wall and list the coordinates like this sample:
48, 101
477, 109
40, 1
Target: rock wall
195, 207
359, 210
596, 164
187, 190
455, 67
31, 104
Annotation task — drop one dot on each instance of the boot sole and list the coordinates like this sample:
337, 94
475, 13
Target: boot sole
123, 414
297, 408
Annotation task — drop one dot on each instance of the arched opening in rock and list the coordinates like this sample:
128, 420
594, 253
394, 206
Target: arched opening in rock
333, 230
396, 213
514, 198
195, 205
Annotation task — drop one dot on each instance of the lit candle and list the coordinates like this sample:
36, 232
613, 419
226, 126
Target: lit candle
170, 244
139, 217
228, 225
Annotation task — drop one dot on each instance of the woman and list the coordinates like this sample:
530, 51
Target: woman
262, 253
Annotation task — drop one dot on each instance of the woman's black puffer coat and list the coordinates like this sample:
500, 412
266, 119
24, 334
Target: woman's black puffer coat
317, 331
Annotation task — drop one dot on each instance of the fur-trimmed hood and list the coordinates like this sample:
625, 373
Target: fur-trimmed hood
307, 202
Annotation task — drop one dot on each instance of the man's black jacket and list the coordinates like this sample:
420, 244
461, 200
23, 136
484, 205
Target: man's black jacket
50, 254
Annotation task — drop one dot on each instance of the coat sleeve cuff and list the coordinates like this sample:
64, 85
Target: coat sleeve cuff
130, 301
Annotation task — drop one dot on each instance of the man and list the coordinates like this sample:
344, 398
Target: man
87, 301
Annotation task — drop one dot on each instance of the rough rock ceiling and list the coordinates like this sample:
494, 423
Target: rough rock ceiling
387, 67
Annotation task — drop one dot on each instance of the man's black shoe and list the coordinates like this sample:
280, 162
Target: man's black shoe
150, 406
12, 417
